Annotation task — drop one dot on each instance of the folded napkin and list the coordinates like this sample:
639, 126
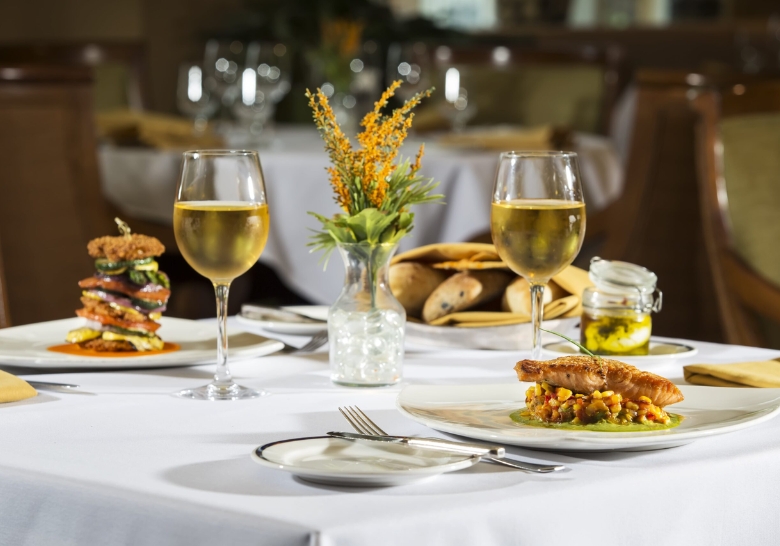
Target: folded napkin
128, 127
483, 319
545, 137
574, 280
13, 389
742, 374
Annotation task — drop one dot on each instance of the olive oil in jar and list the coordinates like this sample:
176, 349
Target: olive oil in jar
616, 311
604, 334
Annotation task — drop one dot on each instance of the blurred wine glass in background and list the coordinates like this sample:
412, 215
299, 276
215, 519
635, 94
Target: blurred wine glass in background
410, 63
222, 63
195, 95
456, 106
264, 81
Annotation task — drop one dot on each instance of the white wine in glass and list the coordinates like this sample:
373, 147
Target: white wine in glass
537, 220
220, 220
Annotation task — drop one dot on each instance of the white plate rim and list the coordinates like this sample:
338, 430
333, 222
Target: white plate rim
174, 359
692, 351
257, 456
586, 440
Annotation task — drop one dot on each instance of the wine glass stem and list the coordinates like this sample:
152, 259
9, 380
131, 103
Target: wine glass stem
537, 310
222, 377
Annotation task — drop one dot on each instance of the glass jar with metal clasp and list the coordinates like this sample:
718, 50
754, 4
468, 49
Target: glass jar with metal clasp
616, 311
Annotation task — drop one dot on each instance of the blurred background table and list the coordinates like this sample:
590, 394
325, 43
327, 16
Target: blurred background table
141, 182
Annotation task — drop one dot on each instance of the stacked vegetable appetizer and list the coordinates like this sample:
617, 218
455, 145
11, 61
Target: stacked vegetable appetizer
125, 297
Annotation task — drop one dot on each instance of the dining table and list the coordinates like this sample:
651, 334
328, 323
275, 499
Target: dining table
125, 462
141, 182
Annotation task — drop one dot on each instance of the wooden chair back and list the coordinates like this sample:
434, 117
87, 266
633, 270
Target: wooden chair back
51, 203
5, 314
656, 222
743, 294
129, 56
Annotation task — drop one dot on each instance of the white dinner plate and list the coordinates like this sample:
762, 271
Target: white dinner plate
482, 412
660, 351
26, 346
336, 461
316, 312
514, 337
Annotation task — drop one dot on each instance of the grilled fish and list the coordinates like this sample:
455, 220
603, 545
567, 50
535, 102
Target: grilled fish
585, 374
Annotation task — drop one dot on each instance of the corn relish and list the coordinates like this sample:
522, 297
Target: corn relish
552, 404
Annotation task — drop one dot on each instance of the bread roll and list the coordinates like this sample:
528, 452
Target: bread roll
517, 297
462, 291
412, 283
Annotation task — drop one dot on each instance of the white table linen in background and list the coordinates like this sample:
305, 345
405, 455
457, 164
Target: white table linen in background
142, 183
134, 465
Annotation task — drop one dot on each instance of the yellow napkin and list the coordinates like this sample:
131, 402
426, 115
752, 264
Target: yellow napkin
128, 127
574, 280
484, 319
544, 137
13, 389
742, 374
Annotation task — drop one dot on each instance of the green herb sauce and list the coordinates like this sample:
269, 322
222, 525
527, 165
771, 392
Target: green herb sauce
674, 421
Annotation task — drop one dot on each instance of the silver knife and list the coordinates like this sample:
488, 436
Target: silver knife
58, 387
428, 443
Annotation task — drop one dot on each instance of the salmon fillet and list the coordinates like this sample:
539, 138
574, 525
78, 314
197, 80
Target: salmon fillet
585, 374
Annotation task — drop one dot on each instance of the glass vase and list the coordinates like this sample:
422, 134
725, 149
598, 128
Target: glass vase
366, 324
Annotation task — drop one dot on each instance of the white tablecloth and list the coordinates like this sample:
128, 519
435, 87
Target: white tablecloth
142, 184
133, 465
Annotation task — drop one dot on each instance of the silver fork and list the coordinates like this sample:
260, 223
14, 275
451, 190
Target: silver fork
364, 425
317, 341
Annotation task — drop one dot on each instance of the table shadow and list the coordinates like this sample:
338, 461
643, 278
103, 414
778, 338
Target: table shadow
240, 476
237, 476
40, 399
183, 373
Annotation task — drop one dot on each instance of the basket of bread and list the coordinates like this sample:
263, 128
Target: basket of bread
462, 295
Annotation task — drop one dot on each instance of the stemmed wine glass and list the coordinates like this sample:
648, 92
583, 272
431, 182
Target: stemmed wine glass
537, 220
264, 81
220, 219
410, 63
195, 95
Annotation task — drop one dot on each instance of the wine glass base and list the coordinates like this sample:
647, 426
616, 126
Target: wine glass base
211, 391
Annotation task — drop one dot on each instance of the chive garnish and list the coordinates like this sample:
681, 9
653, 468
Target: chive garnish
570, 340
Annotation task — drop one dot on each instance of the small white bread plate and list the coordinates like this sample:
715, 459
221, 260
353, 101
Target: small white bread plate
26, 346
316, 312
660, 351
514, 337
482, 412
335, 461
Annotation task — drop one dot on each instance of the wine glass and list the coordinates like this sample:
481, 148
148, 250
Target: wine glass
265, 80
195, 94
221, 63
410, 63
220, 219
537, 220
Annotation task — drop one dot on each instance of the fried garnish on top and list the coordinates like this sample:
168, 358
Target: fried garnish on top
121, 248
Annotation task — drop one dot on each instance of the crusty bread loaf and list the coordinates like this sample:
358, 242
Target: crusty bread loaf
463, 291
517, 297
412, 283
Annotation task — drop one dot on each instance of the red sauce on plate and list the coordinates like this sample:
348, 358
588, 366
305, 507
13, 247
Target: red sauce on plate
76, 350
